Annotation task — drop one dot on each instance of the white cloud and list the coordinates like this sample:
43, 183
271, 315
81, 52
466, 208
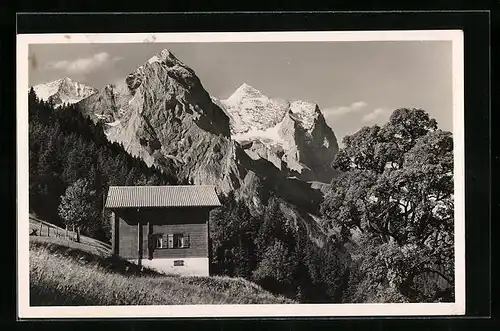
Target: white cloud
376, 113
85, 64
339, 111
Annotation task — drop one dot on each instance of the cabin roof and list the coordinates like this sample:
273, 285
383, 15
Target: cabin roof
162, 196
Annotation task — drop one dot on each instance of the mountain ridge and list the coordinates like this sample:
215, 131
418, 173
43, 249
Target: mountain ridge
161, 113
63, 90
282, 132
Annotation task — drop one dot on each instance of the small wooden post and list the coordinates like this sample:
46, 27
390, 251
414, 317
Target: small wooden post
113, 232
41, 224
149, 244
48, 231
66, 232
139, 262
78, 234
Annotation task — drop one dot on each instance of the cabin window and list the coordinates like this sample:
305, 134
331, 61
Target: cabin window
172, 240
180, 240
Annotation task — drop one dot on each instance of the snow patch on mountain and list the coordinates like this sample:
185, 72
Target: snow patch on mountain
288, 134
45, 91
153, 59
115, 123
304, 113
268, 137
64, 90
252, 110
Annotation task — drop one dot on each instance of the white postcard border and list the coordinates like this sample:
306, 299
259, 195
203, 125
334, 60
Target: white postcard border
25, 311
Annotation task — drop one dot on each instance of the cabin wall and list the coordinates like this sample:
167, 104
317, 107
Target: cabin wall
114, 233
190, 221
198, 238
127, 240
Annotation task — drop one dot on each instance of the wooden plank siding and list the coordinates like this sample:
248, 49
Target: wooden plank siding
127, 247
198, 240
190, 221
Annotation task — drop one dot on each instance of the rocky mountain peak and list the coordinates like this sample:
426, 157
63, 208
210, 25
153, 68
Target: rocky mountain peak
245, 91
251, 110
165, 56
63, 90
293, 135
305, 113
66, 80
162, 114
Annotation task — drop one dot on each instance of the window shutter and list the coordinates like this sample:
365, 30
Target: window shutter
186, 241
170, 240
159, 241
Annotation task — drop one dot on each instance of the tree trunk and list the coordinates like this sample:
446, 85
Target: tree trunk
77, 234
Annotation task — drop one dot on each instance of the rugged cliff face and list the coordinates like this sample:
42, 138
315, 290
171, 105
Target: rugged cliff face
293, 136
248, 143
162, 113
64, 90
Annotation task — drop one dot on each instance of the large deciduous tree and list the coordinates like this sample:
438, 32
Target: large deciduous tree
395, 191
77, 206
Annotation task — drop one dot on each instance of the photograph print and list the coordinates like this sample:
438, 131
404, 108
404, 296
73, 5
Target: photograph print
219, 174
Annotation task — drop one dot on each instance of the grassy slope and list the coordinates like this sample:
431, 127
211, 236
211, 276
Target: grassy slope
63, 272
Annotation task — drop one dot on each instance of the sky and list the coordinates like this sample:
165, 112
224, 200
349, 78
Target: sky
355, 84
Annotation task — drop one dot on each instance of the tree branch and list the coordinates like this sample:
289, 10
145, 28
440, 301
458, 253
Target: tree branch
434, 271
426, 237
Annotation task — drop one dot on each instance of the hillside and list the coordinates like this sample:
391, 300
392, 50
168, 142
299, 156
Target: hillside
63, 272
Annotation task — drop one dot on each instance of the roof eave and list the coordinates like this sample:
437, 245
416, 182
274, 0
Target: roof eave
193, 206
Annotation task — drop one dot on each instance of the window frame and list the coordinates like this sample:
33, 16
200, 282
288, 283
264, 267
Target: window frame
171, 240
178, 240
159, 239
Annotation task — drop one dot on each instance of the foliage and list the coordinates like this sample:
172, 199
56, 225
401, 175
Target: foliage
232, 230
396, 189
77, 206
276, 263
273, 251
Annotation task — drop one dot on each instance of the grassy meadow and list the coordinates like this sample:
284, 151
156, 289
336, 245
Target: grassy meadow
66, 273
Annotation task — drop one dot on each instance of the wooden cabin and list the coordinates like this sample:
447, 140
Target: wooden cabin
163, 227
